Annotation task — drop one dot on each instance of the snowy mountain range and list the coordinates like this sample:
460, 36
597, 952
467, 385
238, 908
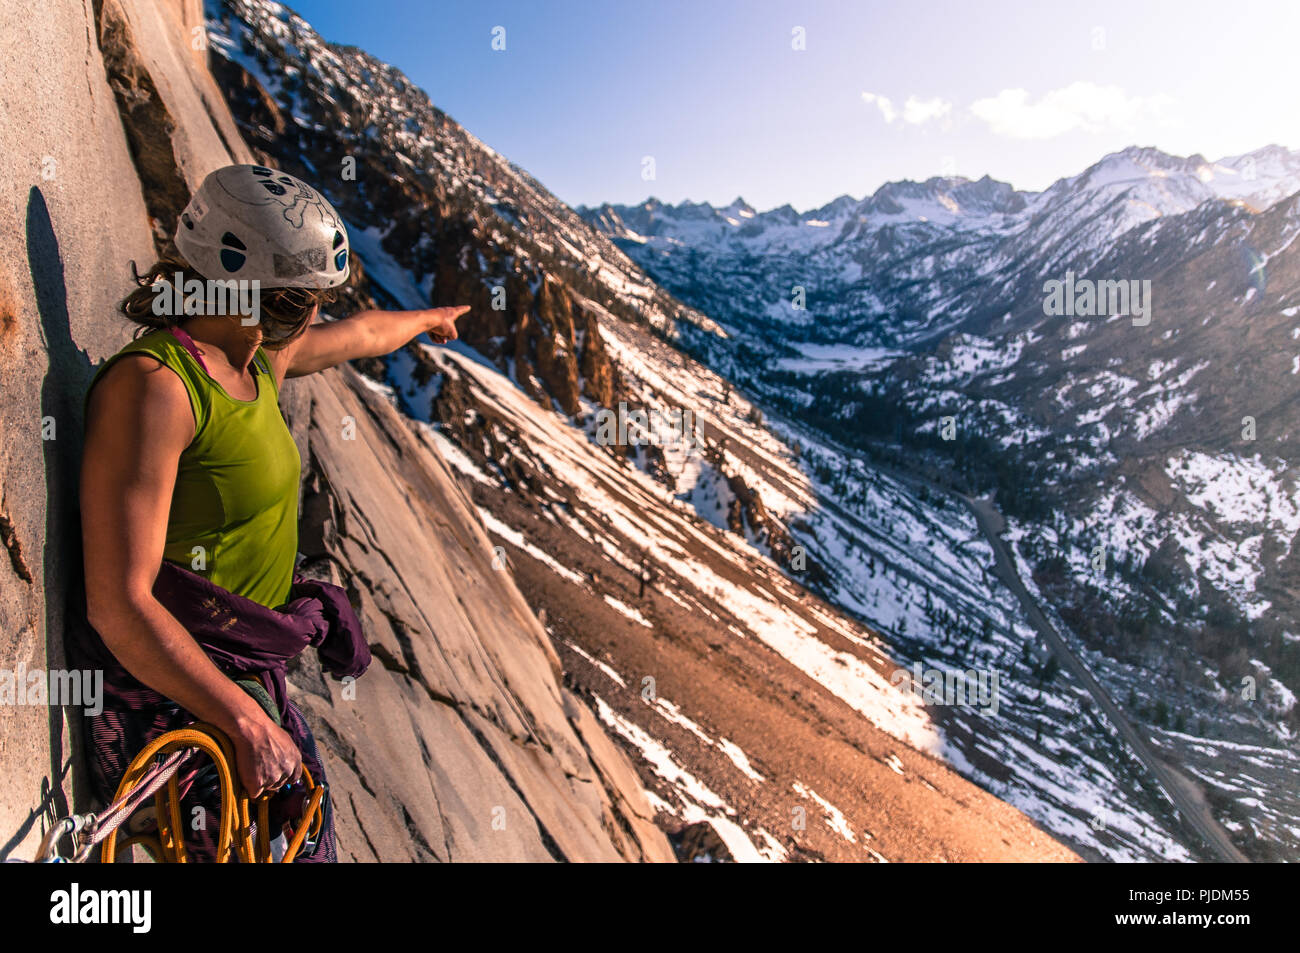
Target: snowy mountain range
916, 259
1163, 448
737, 606
956, 287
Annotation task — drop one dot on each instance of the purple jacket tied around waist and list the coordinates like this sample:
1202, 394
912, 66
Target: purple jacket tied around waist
243, 638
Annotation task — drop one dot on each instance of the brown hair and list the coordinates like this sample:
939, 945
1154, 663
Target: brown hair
284, 313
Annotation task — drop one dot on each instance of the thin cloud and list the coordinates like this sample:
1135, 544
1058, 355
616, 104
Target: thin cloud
915, 111
882, 103
1082, 106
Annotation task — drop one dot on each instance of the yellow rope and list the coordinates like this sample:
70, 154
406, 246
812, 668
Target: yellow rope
234, 826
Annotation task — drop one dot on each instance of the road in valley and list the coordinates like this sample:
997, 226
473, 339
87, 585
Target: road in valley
1182, 792
1185, 795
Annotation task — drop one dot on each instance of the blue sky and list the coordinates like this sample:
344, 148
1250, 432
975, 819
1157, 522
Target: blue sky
717, 94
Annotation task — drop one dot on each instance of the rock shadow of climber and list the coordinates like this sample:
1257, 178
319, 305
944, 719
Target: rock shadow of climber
67, 375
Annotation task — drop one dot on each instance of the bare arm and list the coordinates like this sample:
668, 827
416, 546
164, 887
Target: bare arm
138, 422
364, 334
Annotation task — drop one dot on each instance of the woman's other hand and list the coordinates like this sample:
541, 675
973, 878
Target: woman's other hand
265, 755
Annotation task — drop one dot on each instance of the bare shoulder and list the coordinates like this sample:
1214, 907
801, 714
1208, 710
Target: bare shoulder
138, 391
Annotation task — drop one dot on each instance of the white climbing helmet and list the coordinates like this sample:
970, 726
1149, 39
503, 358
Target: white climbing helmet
250, 222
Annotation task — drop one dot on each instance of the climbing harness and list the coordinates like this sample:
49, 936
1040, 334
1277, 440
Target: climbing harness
236, 836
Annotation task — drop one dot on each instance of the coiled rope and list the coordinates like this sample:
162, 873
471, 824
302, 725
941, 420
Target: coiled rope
146, 776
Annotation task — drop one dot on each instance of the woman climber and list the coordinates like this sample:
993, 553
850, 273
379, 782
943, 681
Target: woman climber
190, 477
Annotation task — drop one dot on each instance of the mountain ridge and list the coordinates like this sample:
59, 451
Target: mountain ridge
1195, 163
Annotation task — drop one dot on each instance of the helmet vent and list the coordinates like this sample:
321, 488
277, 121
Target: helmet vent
233, 242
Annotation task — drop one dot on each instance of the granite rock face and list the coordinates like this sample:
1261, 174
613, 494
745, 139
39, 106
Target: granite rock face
461, 743
72, 214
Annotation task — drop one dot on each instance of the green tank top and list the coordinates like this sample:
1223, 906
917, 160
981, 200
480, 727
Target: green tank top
234, 511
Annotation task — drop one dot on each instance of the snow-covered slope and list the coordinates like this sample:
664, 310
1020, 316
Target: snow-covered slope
917, 570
